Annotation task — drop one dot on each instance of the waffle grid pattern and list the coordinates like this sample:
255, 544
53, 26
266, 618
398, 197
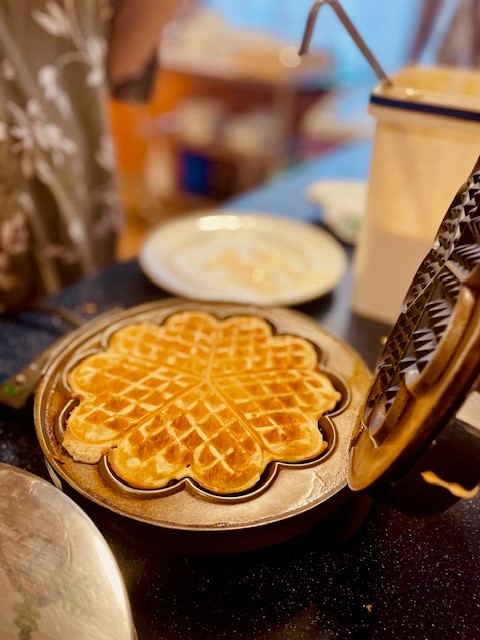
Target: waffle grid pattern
196, 397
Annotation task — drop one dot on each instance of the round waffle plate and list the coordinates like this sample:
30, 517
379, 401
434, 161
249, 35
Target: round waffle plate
285, 493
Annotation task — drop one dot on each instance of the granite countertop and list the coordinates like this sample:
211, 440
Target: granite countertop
390, 576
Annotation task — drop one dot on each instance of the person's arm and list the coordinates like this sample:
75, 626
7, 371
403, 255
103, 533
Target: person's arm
135, 32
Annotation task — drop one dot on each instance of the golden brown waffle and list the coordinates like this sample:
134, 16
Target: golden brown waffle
213, 400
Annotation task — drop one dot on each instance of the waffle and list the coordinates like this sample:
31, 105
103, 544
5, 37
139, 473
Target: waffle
213, 400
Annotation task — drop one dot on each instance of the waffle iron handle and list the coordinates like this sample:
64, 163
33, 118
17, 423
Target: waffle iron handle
16, 390
19, 387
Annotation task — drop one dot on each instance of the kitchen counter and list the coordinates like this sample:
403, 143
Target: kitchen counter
387, 575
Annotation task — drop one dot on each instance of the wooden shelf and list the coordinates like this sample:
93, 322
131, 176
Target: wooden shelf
252, 67
245, 83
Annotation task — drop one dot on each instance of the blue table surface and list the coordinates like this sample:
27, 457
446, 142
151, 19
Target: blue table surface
399, 577
285, 194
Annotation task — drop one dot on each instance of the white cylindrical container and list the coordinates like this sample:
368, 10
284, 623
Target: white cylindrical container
427, 139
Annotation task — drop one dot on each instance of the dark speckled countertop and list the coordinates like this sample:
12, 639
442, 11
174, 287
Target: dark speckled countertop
395, 577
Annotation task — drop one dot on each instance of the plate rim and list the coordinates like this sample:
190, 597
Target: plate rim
293, 298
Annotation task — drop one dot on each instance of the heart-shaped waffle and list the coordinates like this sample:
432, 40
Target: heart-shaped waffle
213, 400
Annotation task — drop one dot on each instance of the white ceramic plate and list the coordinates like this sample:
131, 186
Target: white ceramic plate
248, 258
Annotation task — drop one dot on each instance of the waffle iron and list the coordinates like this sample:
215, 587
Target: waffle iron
410, 437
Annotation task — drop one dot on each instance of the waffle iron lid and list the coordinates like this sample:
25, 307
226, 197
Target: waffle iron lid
417, 444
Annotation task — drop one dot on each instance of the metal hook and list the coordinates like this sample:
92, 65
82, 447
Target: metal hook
307, 36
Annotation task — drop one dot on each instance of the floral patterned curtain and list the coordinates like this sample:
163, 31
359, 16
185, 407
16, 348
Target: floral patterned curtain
59, 212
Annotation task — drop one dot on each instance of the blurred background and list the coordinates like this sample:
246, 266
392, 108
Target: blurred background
233, 106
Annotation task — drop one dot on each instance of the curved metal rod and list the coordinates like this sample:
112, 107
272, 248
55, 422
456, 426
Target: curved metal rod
307, 36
